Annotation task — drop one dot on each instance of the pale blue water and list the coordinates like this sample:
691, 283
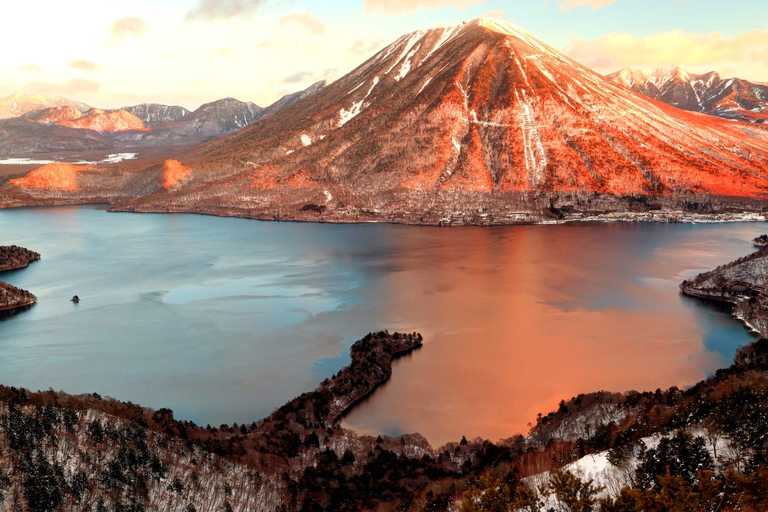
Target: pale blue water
224, 320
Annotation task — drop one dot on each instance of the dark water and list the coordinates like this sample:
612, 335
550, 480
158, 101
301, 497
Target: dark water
223, 320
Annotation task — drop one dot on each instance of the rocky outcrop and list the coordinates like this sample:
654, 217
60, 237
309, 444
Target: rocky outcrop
743, 283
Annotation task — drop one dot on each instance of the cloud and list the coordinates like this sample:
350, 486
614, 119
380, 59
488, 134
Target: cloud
744, 55
128, 26
83, 65
72, 88
207, 10
366, 48
493, 13
398, 7
299, 76
222, 51
567, 5
305, 20
31, 69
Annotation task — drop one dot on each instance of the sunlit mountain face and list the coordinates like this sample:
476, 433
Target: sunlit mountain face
480, 108
479, 119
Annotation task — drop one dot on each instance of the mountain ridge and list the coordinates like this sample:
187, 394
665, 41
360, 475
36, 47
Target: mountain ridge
709, 93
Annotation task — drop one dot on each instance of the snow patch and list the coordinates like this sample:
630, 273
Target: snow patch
424, 86
532, 143
346, 116
415, 37
406, 67
447, 36
306, 140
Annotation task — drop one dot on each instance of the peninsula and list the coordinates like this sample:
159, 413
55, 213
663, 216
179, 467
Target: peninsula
13, 258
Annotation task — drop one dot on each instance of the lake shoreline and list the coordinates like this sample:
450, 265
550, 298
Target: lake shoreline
15, 258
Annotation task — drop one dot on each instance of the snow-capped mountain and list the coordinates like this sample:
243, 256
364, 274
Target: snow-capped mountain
477, 121
730, 98
222, 116
153, 114
20, 104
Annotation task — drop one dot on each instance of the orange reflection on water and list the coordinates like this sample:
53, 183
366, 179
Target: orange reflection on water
516, 320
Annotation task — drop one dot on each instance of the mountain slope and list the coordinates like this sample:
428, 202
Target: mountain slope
732, 98
154, 113
19, 104
103, 121
290, 99
218, 117
480, 122
23, 137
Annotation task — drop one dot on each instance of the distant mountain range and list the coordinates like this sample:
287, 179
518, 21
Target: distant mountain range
144, 124
479, 123
20, 104
730, 98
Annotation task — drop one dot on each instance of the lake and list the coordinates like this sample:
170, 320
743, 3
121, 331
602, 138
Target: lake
223, 320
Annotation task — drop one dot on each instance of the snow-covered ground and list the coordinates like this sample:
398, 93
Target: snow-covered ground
612, 479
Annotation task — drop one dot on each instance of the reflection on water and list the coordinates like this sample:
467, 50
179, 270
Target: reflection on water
225, 319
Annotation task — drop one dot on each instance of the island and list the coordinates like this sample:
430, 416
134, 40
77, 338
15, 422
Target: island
12, 258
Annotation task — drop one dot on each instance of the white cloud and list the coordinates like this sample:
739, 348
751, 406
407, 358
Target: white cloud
207, 10
567, 5
398, 7
307, 21
744, 55
127, 26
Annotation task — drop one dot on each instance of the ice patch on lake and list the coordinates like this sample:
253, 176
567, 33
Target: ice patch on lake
110, 159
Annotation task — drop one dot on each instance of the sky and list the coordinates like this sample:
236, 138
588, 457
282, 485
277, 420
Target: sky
113, 53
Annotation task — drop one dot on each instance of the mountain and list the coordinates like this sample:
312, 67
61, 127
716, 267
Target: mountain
106, 121
94, 119
19, 137
218, 117
730, 98
54, 115
19, 104
477, 123
153, 114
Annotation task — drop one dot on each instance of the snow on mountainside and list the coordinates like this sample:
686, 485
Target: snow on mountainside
477, 122
154, 113
20, 104
709, 93
222, 116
